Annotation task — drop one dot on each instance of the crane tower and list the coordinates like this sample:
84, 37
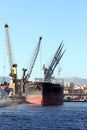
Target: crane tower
8, 47
12, 67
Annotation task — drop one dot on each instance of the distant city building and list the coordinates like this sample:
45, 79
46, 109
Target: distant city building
69, 84
71, 89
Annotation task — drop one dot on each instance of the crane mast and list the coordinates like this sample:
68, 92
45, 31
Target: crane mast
29, 71
58, 55
8, 47
12, 67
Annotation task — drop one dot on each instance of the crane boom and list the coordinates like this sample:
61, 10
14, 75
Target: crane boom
12, 67
29, 71
58, 55
8, 47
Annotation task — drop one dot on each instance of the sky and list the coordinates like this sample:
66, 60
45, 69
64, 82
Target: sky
54, 20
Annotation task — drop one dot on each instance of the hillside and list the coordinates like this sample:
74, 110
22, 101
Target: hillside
7, 79
76, 80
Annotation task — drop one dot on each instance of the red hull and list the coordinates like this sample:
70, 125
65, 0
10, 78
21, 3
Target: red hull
34, 99
38, 100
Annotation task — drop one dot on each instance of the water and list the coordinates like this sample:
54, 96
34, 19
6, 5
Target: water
70, 116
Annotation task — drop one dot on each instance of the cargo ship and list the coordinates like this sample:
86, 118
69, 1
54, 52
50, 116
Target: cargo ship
44, 93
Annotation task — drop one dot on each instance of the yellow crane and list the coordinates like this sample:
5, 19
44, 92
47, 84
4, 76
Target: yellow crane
12, 66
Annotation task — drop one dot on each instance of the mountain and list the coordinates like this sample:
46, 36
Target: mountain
76, 80
2, 79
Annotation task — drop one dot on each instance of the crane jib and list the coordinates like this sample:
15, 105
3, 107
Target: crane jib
57, 57
30, 68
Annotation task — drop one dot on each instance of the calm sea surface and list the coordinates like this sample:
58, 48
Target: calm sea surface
70, 116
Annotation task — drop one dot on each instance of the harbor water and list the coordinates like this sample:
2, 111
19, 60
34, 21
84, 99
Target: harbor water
69, 116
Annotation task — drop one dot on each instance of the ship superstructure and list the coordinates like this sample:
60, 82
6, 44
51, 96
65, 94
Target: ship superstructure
47, 92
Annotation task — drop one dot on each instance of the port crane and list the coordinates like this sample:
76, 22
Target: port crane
27, 72
12, 66
57, 57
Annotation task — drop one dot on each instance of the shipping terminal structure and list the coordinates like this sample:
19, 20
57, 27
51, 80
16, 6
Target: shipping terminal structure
45, 92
